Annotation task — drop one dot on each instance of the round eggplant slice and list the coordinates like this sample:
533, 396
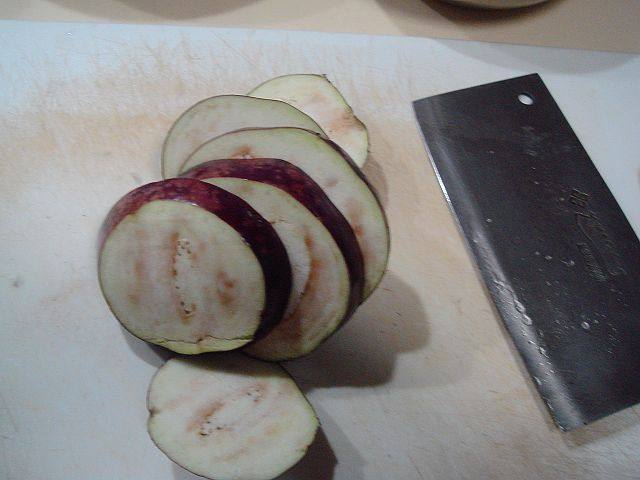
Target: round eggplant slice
293, 180
324, 297
330, 168
229, 417
217, 115
192, 267
316, 96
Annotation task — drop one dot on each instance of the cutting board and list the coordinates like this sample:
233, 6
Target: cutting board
423, 383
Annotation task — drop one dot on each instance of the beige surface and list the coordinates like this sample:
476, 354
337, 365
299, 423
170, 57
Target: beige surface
591, 24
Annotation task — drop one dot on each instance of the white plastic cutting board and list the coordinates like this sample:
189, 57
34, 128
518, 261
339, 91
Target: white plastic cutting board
423, 382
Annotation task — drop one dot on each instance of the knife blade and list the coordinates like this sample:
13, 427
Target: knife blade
558, 257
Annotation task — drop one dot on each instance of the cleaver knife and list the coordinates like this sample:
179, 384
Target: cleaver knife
560, 260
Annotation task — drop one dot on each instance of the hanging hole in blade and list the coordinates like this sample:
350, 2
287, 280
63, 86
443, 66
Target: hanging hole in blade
525, 99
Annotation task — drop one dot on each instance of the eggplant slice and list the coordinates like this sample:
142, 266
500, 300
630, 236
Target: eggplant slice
229, 417
192, 267
316, 96
326, 300
329, 167
217, 115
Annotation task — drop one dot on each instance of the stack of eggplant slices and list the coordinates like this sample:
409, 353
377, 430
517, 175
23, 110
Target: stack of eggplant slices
265, 236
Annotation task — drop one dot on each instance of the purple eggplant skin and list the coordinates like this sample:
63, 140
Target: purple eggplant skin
294, 181
254, 229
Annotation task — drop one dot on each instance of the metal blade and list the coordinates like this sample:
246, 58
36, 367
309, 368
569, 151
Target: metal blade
555, 250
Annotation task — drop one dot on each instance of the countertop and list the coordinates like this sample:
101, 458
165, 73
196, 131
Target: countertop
584, 24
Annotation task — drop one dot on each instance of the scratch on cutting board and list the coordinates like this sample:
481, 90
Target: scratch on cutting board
458, 305
5, 464
8, 413
235, 50
624, 453
416, 467
110, 40
186, 50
